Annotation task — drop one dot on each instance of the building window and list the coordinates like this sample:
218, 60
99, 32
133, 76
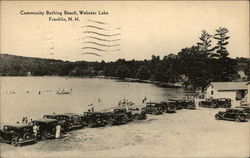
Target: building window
212, 86
212, 92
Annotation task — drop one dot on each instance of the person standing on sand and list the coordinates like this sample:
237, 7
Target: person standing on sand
58, 131
92, 107
26, 120
35, 130
23, 120
89, 109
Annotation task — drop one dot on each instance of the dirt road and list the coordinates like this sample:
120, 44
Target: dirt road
187, 133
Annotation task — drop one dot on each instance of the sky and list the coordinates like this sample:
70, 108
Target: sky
129, 30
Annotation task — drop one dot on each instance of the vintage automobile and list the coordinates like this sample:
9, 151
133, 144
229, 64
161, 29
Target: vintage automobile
117, 115
94, 119
17, 134
169, 106
138, 112
47, 127
246, 110
188, 104
154, 108
236, 114
177, 103
68, 121
216, 103
224, 102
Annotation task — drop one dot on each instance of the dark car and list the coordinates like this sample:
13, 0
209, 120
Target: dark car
154, 108
17, 134
117, 115
123, 110
178, 103
224, 102
246, 110
236, 114
94, 119
47, 127
216, 103
138, 112
188, 103
169, 106
68, 121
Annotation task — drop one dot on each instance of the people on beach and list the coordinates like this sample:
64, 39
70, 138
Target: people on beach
23, 120
120, 103
58, 131
26, 120
35, 130
91, 108
144, 100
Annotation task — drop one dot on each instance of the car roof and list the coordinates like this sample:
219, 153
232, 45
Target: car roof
19, 125
112, 108
51, 115
154, 102
168, 101
137, 106
92, 112
45, 120
238, 109
70, 114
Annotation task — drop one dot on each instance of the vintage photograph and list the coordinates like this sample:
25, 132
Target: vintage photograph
124, 79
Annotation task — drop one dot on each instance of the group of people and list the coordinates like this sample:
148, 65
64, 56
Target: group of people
59, 91
125, 102
24, 120
36, 129
91, 108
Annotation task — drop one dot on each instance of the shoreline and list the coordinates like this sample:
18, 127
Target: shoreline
157, 83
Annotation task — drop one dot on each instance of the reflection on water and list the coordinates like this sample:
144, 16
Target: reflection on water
35, 96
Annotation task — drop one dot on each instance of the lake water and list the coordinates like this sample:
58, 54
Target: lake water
20, 95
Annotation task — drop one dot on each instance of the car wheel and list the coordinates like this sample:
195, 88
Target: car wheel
14, 141
124, 119
217, 117
161, 110
137, 117
110, 122
90, 124
27, 136
154, 112
44, 135
237, 118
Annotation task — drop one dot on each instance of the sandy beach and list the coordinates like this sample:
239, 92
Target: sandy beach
187, 133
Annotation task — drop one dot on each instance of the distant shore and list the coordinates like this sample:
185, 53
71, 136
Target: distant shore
160, 84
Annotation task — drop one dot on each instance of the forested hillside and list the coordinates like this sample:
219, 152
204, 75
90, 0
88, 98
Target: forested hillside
195, 66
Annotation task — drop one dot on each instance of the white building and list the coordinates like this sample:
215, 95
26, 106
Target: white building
233, 90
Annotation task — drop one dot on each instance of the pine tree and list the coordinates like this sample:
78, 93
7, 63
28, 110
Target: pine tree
205, 42
221, 37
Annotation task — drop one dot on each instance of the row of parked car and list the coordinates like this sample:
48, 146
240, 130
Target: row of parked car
23, 133
216, 103
238, 114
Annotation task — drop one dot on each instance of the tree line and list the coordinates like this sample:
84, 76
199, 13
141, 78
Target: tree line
194, 66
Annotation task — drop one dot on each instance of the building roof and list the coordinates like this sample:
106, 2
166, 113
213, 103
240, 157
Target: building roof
228, 85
